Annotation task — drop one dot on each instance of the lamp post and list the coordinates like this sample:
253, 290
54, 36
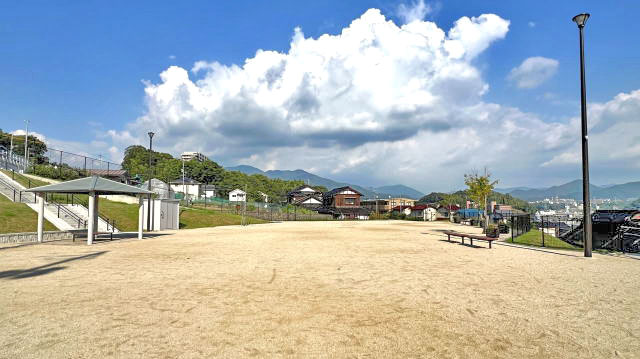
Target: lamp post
149, 182
581, 20
26, 145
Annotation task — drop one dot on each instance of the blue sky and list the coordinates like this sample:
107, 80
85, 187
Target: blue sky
76, 69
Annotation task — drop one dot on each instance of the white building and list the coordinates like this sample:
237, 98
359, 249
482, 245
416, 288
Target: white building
188, 156
237, 195
163, 190
189, 188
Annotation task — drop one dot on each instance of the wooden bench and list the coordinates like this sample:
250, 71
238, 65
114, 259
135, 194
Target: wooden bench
470, 236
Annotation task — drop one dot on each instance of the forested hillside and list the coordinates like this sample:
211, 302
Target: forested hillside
167, 168
460, 198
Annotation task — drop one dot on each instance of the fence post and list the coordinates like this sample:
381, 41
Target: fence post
60, 165
543, 231
512, 228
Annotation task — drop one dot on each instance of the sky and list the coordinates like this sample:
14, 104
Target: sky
368, 92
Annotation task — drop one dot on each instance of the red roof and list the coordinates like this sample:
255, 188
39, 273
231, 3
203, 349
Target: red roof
419, 207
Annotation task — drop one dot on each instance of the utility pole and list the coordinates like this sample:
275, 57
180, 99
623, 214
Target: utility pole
11, 146
26, 146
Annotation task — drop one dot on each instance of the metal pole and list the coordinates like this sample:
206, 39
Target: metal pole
60, 165
586, 204
149, 183
26, 146
543, 231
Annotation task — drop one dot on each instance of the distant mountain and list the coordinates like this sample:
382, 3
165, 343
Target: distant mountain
511, 189
315, 180
399, 190
573, 190
250, 170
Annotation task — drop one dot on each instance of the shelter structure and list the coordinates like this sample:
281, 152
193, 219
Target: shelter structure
93, 187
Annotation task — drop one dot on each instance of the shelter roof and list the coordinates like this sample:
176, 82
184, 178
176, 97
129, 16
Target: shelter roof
87, 185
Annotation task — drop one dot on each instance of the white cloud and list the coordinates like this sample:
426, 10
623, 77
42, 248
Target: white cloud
531, 24
376, 104
172, 57
533, 71
417, 11
614, 137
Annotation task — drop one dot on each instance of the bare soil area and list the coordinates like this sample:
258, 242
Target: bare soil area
315, 289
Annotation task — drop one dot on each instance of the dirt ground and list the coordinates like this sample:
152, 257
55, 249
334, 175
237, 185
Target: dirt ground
315, 289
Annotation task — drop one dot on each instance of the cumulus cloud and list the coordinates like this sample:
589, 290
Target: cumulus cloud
614, 137
531, 24
378, 103
417, 11
373, 82
533, 71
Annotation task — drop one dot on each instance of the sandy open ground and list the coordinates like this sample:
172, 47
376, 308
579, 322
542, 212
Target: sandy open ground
315, 289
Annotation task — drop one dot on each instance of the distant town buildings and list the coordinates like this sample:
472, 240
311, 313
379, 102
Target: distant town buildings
385, 205
188, 156
305, 196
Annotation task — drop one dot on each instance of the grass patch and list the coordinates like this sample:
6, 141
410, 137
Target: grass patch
199, 218
534, 238
26, 182
18, 217
125, 214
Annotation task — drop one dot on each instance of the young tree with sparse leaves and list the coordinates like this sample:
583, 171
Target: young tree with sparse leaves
480, 187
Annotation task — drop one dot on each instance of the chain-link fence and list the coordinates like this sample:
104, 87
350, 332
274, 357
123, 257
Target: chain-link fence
66, 165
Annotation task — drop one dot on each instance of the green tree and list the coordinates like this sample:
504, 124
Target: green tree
37, 148
479, 189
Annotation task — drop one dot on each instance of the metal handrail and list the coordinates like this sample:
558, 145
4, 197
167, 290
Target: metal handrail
68, 212
101, 216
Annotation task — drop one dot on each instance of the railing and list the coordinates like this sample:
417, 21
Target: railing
111, 223
82, 223
17, 193
11, 161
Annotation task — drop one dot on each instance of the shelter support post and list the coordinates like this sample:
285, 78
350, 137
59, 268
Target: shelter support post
140, 216
91, 222
40, 217
96, 217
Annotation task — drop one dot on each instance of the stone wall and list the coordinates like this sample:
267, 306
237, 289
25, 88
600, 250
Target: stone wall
28, 237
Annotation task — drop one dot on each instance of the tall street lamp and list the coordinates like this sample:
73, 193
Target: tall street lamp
581, 20
149, 182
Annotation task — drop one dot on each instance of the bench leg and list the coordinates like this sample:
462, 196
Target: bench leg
471, 240
489, 244
462, 240
448, 238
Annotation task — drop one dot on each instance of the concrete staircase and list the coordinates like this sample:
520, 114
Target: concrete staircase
64, 217
82, 212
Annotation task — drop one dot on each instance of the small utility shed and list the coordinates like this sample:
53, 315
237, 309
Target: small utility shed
94, 187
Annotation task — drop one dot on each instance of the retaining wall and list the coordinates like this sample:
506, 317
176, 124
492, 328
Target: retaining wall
28, 237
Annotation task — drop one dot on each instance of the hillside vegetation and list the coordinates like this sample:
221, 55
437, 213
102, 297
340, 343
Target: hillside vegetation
167, 168
460, 198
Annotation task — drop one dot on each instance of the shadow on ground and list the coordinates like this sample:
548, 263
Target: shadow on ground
45, 269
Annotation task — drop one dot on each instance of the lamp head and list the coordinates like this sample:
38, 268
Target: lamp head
150, 134
581, 19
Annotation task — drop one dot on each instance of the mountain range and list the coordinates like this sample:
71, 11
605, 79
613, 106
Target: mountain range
397, 190
573, 190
